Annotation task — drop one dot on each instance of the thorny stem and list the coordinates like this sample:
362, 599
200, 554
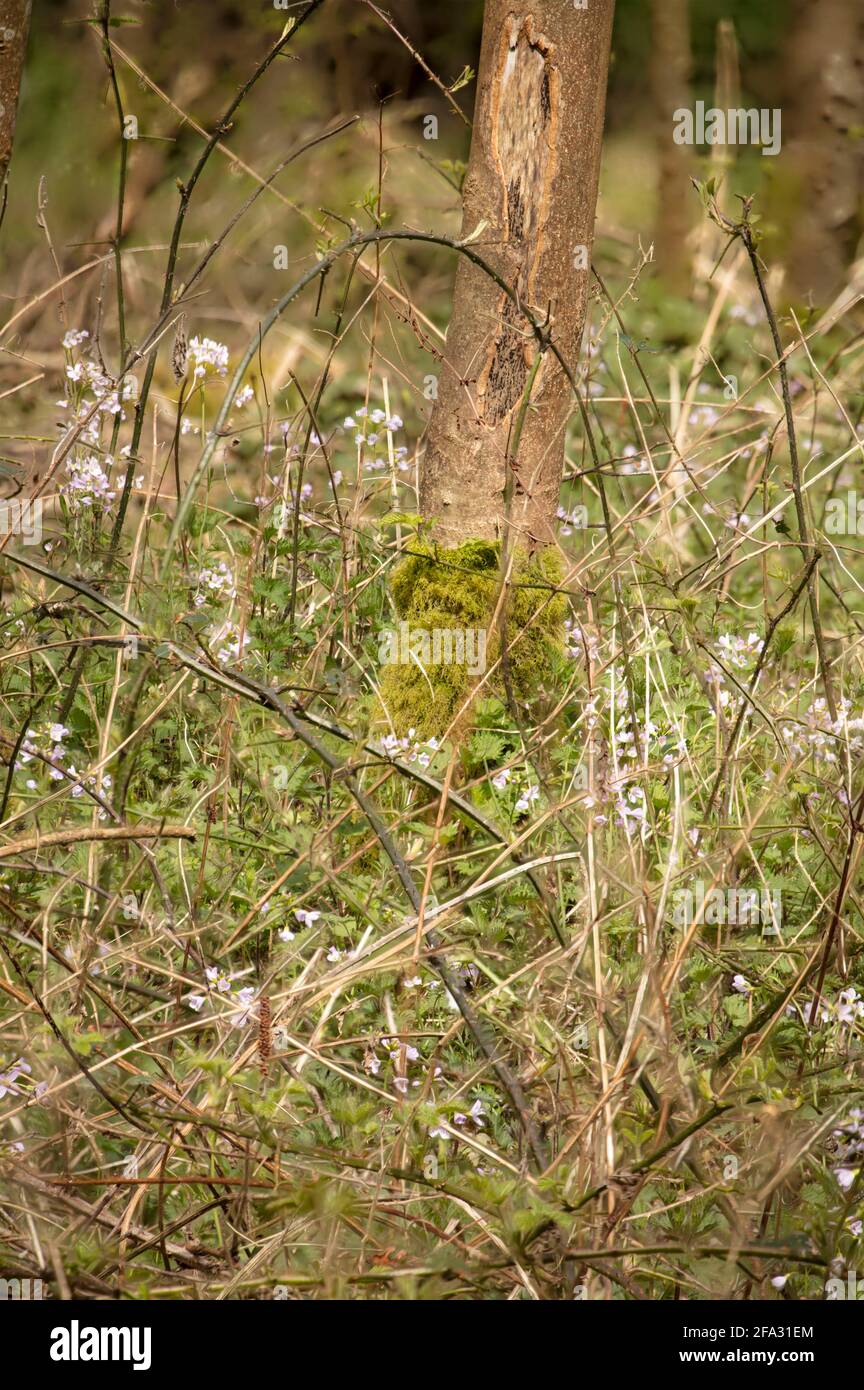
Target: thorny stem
744, 230
805, 544
104, 23
751, 685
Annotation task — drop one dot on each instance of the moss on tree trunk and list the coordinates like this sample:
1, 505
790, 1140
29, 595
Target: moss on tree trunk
449, 603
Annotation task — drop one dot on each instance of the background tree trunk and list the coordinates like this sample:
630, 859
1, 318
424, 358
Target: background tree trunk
14, 27
670, 86
727, 97
824, 157
532, 176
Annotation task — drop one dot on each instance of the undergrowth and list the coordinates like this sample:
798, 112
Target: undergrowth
238, 1054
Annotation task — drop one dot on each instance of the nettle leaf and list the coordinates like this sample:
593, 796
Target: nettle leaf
83, 1043
197, 620
272, 590
737, 1009
486, 747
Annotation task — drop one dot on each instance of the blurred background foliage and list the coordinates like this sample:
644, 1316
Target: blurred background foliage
179, 64
347, 61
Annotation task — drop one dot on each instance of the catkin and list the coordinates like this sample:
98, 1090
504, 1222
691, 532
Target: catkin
265, 1034
180, 351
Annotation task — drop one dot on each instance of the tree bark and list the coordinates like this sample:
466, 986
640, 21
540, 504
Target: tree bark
532, 177
670, 86
824, 159
14, 27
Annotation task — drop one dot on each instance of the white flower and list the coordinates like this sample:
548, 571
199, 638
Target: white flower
9, 1078
195, 1001
87, 486
741, 985
333, 955
74, 337
306, 919
207, 355
779, 1281
219, 581
849, 1006
224, 639
245, 998
821, 1017
286, 934
527, 799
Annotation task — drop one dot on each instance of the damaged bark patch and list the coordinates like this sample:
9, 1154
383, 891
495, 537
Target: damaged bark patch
525, 122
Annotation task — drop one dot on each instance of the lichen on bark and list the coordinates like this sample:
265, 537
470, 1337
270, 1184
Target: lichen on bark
456, 591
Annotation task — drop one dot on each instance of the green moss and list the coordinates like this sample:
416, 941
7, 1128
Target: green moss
455, 592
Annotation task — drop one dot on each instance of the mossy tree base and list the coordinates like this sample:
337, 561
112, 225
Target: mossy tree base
445, 599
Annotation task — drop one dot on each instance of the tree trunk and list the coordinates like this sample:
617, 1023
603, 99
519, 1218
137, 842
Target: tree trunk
727, 97
532, 177
670, 85
824, 158
14, 26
